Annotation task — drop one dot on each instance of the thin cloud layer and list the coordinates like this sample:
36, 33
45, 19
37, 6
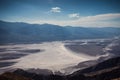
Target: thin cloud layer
101, 20
55, 10
101, 17
74, 15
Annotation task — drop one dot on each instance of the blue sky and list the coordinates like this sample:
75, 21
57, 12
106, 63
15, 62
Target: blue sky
86, 13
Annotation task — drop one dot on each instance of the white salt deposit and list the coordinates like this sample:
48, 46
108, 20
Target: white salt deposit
55, 57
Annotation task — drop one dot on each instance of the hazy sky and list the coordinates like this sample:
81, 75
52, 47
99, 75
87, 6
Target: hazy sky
86, 13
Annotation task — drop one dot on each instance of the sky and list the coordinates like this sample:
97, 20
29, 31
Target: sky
85, 13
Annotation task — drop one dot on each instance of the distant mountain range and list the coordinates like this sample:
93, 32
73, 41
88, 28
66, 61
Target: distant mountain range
16, 32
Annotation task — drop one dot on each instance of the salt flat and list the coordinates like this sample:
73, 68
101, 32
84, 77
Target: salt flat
54, 56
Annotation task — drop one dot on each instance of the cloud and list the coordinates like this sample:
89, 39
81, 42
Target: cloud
74, 15
101, 20
101, 17
55, 10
